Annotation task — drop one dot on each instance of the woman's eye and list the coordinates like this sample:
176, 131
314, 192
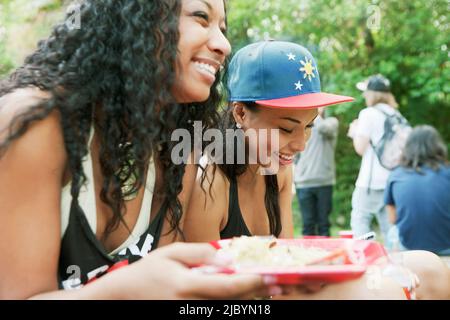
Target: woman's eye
286, 130
202, 15
309, 126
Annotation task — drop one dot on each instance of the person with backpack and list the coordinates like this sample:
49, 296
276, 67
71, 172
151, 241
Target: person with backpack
379, 129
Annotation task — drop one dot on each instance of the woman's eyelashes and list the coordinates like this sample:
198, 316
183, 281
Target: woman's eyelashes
203, 16
205, 20
287, 130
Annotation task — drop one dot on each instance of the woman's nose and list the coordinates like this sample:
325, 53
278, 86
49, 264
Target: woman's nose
219, 43
298, 144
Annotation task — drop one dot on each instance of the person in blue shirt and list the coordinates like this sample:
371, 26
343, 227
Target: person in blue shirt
418, 195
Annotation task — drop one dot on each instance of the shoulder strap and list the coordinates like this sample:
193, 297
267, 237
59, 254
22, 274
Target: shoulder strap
235, 225
374, 151
233, 202
396, 114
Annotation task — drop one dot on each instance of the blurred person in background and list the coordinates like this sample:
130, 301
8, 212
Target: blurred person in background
367, 131
417, 195
315, 175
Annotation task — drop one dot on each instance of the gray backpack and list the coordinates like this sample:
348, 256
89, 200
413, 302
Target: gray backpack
390, 147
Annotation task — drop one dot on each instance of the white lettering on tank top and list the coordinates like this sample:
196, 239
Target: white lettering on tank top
134, 248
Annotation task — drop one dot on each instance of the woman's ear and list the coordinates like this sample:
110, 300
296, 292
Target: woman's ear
239, 113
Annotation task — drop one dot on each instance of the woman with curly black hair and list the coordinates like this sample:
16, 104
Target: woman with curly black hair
88, 185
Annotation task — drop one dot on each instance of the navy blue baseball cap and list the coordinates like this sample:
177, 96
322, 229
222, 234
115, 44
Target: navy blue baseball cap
278, 74
376, 82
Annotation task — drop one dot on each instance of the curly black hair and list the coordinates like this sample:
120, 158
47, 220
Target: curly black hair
116, 73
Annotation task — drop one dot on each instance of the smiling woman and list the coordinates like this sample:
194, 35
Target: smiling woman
202, 55
274, 87
89, 117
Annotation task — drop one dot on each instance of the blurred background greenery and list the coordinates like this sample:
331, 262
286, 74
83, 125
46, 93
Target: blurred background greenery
407, 41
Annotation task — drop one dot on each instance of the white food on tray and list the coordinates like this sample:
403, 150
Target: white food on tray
267, 252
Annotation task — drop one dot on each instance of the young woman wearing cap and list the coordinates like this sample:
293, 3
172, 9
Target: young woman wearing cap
273, 85
233, 199
87, 183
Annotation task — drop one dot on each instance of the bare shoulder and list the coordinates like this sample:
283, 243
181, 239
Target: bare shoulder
214, 181
19, 102
284, 178
42, 142
21, 99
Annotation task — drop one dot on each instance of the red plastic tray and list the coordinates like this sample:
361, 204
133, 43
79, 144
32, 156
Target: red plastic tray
363, 253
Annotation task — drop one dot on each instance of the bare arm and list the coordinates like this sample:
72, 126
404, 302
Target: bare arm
207, 210
287, 223
31, 173
360, 143
392, 213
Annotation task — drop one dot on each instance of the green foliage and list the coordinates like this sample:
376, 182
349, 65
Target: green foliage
407, 41
5, 62
22, 24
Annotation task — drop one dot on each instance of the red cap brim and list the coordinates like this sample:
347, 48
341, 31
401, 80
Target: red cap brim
306, 101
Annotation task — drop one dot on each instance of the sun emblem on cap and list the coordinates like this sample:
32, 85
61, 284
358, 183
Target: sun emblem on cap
308, 69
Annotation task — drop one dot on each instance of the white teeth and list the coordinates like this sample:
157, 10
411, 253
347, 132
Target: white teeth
206, 67
284, 157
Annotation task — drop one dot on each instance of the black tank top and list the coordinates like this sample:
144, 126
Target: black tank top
236, 226
84, 259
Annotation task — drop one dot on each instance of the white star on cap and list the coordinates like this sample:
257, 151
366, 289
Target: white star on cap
291, 56
298, 85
